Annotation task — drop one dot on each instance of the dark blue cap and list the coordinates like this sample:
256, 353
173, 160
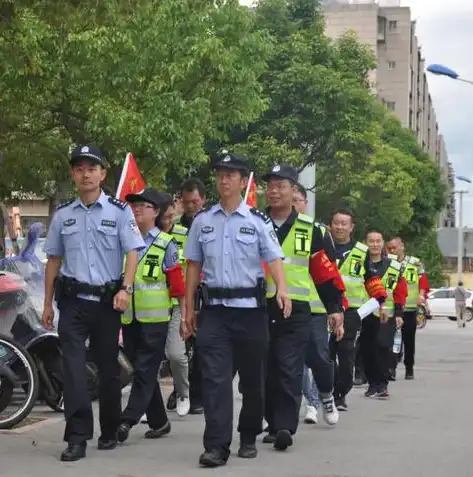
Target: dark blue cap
89, 152
149, 195
228, 160
282, 171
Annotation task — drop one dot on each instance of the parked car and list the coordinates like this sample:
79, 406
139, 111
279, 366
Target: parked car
442, 303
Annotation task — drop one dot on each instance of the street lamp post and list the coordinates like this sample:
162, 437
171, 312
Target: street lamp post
460, 227
442, 70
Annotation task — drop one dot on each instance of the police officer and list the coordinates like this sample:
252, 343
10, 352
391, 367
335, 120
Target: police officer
228, 243
306, 261
86, 244
146, 321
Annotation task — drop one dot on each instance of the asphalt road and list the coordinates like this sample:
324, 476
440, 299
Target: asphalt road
423, 430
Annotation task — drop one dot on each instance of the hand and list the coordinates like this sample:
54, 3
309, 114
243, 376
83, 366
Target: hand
284, 303
339, 332
399, 322
335, 320
420, 299
121, 300
383, 315
188, 325
48, 317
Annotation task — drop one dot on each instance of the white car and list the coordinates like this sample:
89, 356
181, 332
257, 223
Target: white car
442, 303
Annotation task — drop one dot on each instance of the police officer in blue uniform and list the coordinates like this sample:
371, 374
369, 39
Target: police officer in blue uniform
228, 243
86, 244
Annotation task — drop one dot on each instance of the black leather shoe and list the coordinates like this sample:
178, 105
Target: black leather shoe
247, 451
196, 409
157, 433
409, 373
73, 452
269, 438
172, 402
123, 431
106, 444
283, 440
213, 458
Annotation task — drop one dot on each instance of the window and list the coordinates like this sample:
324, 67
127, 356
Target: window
392, 25
391, 65
391, 105
441, 294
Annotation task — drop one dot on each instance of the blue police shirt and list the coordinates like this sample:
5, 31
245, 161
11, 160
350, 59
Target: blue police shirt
171, 256
231, 248
93, 240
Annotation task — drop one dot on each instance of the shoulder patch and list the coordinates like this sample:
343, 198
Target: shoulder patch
65, 204
305, 218
260, 214
117, 202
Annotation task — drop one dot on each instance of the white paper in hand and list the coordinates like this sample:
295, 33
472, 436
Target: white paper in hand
369, 307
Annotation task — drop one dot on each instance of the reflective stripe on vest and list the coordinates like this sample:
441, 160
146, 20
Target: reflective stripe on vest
179, 234
316, 305
296, 248
352, 271
390, 279
150, 302
410, 271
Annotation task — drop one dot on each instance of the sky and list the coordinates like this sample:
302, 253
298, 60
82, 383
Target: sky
445, 32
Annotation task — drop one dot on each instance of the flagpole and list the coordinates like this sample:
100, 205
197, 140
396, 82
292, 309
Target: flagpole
122, 177
248, 187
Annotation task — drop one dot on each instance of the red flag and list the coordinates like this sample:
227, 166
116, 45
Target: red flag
131, 180
250, 194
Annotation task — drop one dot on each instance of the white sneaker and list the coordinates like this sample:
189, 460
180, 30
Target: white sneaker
330, 411
144, 419
311, 415
182, 406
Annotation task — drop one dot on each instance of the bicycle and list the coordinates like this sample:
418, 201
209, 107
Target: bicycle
18, 377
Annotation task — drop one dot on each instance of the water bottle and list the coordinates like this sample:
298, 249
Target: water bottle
397, 342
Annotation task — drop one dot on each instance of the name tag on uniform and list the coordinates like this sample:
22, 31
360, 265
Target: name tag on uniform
247, 231
109, 223
69, 222
207, 229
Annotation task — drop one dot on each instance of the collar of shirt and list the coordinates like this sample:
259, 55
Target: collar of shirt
243, 209
283, 231
102, 200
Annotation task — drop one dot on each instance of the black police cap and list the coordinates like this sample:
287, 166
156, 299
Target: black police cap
149, 195
231, 161
282, 171
89, 153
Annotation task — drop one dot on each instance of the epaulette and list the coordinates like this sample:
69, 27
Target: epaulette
395, 264
307, 219
65, 204
205, 209
361, 246
163, 240
117, 202
260, 214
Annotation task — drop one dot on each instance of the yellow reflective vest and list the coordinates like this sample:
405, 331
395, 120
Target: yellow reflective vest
390, 279
352, 270
179, 233
296, 248
316, 305
410, 271
150, 301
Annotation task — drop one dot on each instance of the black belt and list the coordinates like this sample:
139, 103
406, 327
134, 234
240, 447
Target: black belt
230, 293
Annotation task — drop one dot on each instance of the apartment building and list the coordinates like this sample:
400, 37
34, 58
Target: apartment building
399, 80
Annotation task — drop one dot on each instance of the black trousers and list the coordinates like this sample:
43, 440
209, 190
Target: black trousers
79, 320
376, 342
144, 345
287, 354
409, 337
195, 377
225, 335
343, 354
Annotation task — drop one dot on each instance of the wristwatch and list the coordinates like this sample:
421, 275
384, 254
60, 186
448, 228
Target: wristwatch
127, 288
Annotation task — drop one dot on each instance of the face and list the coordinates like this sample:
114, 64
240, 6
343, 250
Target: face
145, 214
87, 177
395, 246
341, 227
299, 202
167, 219
192, 202
279, 192
375, 243
230, 182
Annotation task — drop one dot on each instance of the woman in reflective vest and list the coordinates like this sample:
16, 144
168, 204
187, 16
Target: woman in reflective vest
146, 321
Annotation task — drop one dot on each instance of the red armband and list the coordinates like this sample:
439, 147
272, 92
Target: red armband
321, 269
175, 279
424, 283
400, 292
374, 287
